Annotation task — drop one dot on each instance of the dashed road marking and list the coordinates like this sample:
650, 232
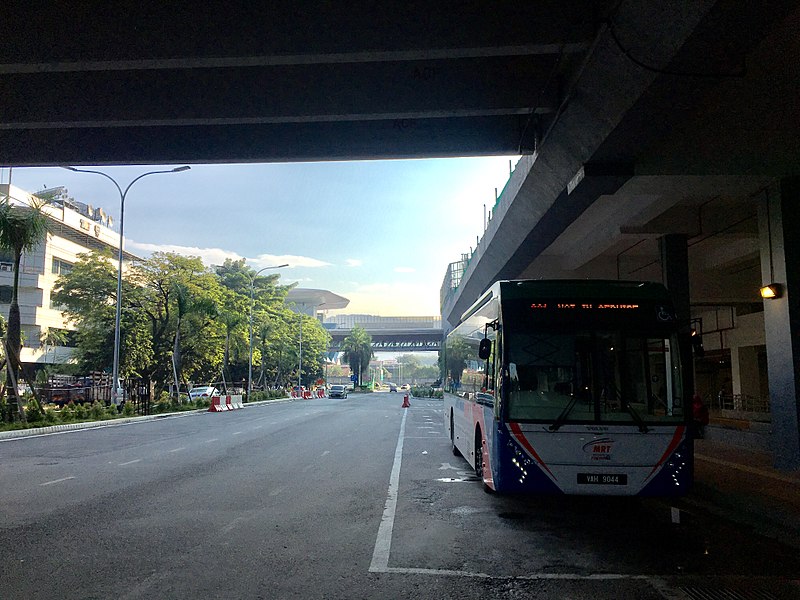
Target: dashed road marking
130, 462
177, 449
56, 481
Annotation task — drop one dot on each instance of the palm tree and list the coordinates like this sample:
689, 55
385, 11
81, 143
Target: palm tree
357, 350
51, 338
22, 228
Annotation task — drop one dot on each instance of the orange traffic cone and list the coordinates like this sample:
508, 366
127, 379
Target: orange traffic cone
406, 403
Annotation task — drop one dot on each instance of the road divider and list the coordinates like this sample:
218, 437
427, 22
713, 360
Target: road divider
225, 403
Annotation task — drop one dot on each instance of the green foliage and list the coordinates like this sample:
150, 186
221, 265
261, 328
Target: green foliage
67, 412
426, 392
50, 416
80, 412
357, 350
33, 411
97, 411
128, 409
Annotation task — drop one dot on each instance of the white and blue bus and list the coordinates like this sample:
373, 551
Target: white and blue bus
570, 387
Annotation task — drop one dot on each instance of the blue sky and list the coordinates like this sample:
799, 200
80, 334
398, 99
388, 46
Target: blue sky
380, 233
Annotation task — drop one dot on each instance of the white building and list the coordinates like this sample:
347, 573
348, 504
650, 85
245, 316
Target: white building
75, 228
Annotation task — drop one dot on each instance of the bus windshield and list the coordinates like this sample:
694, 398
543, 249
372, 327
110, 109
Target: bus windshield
594, 376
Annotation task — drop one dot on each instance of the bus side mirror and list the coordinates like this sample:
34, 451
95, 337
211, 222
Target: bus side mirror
485, 349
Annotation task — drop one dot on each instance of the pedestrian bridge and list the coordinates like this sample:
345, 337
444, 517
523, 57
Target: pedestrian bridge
389, 334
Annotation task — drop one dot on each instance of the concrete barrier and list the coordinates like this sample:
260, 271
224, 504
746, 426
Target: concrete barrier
235, 402
218, 404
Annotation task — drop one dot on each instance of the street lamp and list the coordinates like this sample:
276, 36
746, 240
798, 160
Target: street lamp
115, 374
252, 301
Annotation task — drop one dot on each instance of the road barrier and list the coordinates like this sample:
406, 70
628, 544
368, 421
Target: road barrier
223, 403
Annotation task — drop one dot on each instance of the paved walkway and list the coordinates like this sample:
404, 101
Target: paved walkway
742, 485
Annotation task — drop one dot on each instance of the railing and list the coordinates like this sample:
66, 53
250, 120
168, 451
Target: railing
742, 403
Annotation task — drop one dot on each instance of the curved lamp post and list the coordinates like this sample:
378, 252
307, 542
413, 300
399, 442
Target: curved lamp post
122, 194
250, 362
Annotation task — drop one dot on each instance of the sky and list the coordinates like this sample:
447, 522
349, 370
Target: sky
380, 233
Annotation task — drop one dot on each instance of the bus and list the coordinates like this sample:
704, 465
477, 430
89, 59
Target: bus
570, 387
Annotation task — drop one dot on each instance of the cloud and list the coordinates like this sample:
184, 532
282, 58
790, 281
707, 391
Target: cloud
354, 262
217, 256
405, 270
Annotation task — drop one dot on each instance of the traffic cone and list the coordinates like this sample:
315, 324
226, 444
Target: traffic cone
406, 403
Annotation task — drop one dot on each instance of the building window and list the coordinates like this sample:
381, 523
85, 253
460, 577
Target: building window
61, 267
5, 294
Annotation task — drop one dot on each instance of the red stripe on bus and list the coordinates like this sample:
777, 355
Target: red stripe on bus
676, 439
525, 444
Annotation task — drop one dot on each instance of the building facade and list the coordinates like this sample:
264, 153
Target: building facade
74, 228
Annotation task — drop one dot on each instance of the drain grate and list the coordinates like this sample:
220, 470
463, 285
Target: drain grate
716, 593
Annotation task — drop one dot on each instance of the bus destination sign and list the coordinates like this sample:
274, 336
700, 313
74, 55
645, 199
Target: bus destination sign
582, 306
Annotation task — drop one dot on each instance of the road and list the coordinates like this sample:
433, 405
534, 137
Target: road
351, 498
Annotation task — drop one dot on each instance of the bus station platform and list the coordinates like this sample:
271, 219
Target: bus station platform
741, 485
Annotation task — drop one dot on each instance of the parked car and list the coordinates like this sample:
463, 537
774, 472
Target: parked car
204, 391
337, 391
405, 386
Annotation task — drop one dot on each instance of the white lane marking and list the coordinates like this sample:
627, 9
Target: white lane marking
276, 491
57, 481
130, 462
383, 543
211, 440
326, 452
258, 427
745, 468
232, 524
237, 432
307, 467
177, 449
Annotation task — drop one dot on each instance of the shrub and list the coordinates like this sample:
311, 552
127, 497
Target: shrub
67, 412
128, 409
111, 411
97, 411
33, 411
50, 415
80, 412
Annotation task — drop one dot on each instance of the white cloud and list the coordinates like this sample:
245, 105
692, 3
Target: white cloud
405, 270
354, 262
217, 256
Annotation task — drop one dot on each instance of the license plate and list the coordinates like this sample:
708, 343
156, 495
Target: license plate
603, 478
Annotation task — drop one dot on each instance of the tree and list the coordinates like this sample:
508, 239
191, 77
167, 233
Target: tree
22, 228
357, 350
51, 338
457, 351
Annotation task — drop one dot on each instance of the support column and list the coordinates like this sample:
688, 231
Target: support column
779, 240
675, 276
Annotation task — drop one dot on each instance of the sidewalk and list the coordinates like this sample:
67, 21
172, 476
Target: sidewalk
741, 485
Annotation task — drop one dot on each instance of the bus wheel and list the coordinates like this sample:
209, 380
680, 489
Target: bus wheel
456, 451
479, 455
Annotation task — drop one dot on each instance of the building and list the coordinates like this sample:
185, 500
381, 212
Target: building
75, 228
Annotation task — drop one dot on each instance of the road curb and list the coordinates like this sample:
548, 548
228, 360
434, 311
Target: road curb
33, 431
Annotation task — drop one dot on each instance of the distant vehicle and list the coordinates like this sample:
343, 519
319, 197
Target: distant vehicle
337, 391
392, 387
405, 386
205, 391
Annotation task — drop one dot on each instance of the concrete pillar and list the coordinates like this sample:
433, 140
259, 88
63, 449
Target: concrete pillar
675, 276
779, 240
745, 377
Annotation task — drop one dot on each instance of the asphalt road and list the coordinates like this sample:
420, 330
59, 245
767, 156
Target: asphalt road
353, 498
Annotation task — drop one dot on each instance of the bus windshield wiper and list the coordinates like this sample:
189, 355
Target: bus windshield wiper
636, 418
562, 418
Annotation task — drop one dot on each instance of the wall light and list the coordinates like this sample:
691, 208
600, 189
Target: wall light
772, 290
